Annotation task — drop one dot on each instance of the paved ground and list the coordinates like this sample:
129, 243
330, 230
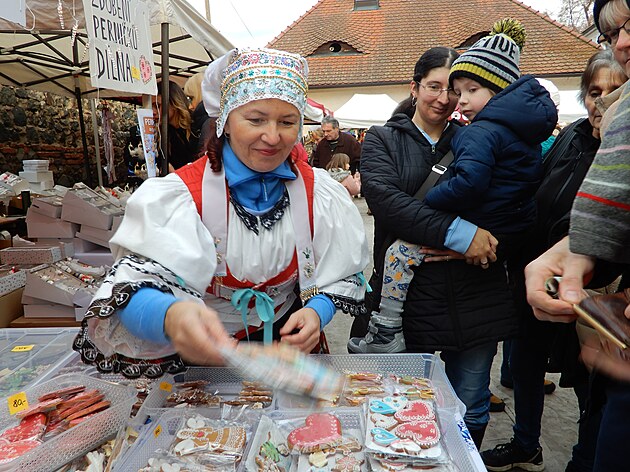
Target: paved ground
559, 429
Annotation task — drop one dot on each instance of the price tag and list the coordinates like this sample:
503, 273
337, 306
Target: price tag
24, 348
17, 402
157, 431
167, 387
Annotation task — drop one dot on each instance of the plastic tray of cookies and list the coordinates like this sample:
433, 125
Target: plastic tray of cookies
221, 382
86, 436
456, 437
426, 366
158, 436
31, 356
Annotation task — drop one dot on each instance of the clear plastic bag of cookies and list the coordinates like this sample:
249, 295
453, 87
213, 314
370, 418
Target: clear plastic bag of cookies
403, 430
209, 442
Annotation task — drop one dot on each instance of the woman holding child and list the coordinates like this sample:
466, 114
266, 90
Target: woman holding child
459, 309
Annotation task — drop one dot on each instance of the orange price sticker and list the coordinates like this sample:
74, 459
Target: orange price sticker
17, 402
24, 348
157, 431
167, 387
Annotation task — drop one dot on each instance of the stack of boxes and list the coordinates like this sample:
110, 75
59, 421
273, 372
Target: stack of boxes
84, 217
37, 175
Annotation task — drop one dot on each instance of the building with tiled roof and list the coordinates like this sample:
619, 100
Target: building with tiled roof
371, 46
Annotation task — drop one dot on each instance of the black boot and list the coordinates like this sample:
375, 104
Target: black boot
477, 435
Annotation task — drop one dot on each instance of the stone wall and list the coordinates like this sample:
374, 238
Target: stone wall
38, 125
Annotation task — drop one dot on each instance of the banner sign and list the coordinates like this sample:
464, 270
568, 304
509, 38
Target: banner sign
121, 57
14, 11
147, 126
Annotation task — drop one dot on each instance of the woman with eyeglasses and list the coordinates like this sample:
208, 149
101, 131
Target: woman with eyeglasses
452, 307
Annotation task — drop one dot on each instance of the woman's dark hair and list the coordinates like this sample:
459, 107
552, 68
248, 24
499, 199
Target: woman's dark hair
603, 59
439, 56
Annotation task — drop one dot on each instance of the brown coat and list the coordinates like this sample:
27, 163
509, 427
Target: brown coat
347, 145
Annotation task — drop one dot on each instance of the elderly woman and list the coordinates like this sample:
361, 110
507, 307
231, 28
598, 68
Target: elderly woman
247, 240
598, 233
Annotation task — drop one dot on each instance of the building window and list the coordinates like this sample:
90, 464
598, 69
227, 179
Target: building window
366, 4
335, 48
471, 40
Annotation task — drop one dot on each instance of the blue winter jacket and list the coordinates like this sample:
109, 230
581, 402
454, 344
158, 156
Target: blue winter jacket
497, 166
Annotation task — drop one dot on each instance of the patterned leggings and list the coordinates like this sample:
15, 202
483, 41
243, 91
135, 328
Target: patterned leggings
397, 273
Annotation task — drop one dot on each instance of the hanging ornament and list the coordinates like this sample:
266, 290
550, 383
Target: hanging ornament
85, 51
60, 13
75, 30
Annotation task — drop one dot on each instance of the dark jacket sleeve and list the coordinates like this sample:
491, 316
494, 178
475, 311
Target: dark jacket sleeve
388, 186
472, 172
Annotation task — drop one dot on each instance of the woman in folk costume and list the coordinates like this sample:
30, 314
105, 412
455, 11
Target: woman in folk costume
247, 241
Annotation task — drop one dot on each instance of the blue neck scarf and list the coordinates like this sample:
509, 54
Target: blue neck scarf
258, 191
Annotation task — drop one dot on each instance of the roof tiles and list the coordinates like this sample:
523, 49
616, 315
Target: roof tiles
393, 37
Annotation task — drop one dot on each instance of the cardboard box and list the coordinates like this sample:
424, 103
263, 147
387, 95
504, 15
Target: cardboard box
100, 242
41, 186
83, 246
54, 311
64, 290
22, 322
11, 279
30, 255
47, 206
85, 206
14, 183
96, 257
10, 307
35, 176
66, 245
42, 226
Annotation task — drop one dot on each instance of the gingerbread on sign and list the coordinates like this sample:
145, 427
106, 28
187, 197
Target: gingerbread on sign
321, 431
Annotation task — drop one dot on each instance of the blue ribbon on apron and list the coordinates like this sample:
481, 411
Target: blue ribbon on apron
364, 282
264, 308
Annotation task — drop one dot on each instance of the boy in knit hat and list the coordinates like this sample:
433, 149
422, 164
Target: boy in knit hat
496, 170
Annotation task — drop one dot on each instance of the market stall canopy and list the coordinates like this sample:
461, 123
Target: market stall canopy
43, 56
365, 110
314, 111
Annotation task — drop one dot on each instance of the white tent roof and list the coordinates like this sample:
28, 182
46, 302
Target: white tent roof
41, 56
365, 110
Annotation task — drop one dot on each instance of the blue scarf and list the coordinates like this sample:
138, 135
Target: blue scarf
257, 191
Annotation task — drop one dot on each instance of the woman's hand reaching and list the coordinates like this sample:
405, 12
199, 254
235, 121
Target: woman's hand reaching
306, 322
196, 333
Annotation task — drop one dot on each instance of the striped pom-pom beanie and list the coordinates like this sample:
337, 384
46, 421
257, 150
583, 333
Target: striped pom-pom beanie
493, 60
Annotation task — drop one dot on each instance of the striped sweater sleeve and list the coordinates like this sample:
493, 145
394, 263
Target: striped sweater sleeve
600, 217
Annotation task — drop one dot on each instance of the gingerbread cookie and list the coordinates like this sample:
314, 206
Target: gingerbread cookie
425, 433
322, 430
414, 411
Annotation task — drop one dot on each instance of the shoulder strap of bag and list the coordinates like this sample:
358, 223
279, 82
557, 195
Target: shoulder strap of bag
436, 172
559, 147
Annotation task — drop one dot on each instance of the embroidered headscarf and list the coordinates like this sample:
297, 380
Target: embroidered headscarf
244, 75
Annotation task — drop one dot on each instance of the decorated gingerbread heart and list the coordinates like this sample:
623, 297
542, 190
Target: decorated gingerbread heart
424, 433
415, 410
31, 427
321, 430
